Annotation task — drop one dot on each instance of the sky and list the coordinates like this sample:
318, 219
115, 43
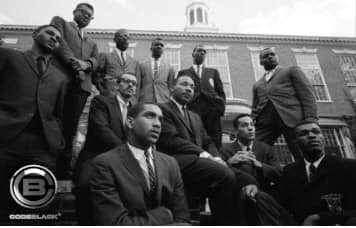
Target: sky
280, 17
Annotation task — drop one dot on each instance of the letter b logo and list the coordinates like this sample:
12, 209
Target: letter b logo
33, 186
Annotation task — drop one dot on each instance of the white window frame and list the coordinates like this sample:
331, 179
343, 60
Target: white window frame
255, 58
313, 52
227, 66
175, 47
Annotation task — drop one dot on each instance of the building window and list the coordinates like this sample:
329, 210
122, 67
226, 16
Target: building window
217, 58
172, 55
130, 50
200, 15
308, 61
191, 17
281, 151
255, 58
347, 60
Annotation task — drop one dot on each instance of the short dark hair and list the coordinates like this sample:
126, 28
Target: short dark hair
120, 76
306, 121
265, 49
39, 28
235, 122
199, 46
138, 108
182, 75
156, 39
85, 4
119, 32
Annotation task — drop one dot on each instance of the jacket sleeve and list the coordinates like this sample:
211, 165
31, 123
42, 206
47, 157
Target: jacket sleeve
108, 208
177, 202
271, 168
64, 53
254, 113
219, 87
93, 59
100, 125
305, 93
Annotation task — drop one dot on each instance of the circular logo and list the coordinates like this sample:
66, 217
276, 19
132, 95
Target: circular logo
33, 186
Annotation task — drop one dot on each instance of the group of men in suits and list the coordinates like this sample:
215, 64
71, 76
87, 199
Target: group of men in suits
120, 176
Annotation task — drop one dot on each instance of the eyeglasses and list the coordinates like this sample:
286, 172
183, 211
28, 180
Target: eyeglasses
128, 81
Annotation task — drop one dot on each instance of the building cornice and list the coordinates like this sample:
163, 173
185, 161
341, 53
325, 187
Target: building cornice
206, 36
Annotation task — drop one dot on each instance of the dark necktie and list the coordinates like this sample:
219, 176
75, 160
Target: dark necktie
155, 68
185, 115
151, 174
122, 57
312, 171
41, 65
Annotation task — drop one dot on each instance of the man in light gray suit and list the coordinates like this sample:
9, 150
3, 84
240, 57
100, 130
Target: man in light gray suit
156, 76
281, 98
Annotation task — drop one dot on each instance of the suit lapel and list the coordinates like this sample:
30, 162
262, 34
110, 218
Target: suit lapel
159, 169
116, 109
117, 58
31, 62
322, 170
193, 72
75, 27
134, 168
180, 117
273, 75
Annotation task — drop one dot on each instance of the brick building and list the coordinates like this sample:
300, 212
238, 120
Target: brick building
329, 63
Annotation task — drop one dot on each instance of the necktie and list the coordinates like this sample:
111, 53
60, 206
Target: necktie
185, 115
155, 68
198, 70
41, 65
312, 171
151, 174
122, 57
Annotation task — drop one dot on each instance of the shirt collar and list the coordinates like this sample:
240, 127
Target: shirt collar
316, 163
195, 66
179, 106
243, 146
139, 153
36, 55
118, 51
121, 101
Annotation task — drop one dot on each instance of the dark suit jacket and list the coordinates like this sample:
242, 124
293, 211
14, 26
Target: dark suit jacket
291, 94
182, 140
73, 45
105, 130
206, 97
23, 90
334, 175
270, 171
120, 194
155, 89
111, 64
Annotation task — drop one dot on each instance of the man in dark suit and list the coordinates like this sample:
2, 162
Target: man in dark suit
157, 76
117, 62
209, 96
204, 173
281, 98
251, 156
134, 184
31, 103
106, 130
306, 182
77, 58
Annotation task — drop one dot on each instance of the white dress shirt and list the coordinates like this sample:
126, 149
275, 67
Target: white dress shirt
196, 69
119, 54
139, 155
268, 74
316, 164
153, 60
179, 106
123, 107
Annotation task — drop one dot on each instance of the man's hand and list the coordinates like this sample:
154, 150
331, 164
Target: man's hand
249, 191
207, 155
80, 65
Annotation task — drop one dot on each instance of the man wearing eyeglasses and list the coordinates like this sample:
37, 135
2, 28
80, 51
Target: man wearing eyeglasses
106, 130
77, 58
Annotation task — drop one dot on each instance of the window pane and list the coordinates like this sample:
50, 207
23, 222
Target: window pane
199, 15
309, 63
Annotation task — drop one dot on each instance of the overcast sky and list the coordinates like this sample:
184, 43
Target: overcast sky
297, 17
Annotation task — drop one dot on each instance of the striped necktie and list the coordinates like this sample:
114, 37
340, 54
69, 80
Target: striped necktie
151, 174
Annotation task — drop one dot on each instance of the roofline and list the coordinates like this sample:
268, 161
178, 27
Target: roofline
232, 36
